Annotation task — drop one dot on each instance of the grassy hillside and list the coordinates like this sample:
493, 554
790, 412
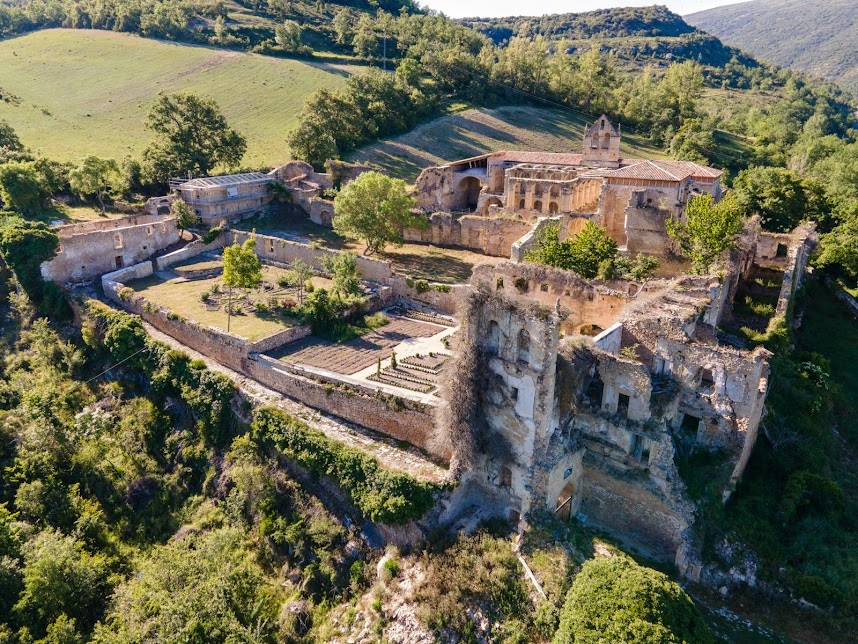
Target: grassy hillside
815, 36
476, 131
79, 92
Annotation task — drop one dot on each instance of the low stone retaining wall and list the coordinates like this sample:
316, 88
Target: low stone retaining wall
445, 301
398, 418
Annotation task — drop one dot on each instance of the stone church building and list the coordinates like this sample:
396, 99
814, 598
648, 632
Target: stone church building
629, 198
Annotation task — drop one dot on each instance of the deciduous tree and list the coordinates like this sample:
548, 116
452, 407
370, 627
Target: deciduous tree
186, 218
709, 229
192, 136
98, 178
376, 209
241, 269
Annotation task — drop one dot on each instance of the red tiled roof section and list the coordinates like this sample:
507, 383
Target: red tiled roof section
542, 158
665, 171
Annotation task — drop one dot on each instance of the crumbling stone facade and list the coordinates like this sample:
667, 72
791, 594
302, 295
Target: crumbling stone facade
90, 249
589, 391
630, 198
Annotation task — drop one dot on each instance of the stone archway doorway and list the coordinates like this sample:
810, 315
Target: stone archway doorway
563, 511
469, 193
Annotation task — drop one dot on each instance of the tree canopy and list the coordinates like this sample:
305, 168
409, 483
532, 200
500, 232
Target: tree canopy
616, 600
375, 208
192, 136
584, 253
97, 177
709, 229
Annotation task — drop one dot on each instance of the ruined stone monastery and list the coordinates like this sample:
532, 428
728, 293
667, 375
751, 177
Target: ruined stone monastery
562, 395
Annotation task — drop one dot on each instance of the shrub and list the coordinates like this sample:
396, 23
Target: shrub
205, 296
261, 307
421, 286
443, 288
616, 600
213, 234
384, 496
125, 293
390, 569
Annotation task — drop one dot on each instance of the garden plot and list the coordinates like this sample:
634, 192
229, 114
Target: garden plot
350, 357
194, 290
418, 373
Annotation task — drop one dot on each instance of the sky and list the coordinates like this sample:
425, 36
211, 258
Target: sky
495, 8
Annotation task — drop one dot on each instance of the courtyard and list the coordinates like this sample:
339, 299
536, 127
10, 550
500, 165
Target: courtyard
419, 261
194, 290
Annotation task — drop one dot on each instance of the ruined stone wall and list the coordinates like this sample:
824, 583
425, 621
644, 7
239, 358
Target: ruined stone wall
91, 249
633, 512
730, 406
492, 236
580, 303
645, 217
434, 189
284, 251
410, 423
191, 250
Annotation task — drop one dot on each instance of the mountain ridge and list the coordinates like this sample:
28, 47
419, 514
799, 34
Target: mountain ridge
819, 37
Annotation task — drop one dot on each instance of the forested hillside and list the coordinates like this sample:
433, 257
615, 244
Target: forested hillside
636, 35
819, 37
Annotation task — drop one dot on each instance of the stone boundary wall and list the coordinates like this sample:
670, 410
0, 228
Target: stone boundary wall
525, 242
278, 339
415, 423
285, 251
493, 236
445, 302
193, 249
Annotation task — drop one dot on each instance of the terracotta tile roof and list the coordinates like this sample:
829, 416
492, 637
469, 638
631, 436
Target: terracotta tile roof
674, 171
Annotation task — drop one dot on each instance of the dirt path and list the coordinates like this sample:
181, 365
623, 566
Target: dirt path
388, 452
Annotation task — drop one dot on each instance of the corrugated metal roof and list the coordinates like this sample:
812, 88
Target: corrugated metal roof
225, 180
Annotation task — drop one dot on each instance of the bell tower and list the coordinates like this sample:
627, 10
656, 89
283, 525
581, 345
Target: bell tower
601, 144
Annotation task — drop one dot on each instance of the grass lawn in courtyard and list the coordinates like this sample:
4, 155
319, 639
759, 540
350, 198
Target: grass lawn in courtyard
182, 295
420, 261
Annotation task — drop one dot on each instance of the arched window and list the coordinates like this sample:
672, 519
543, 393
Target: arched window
494, 337
537, 205
553, 208
606, 141
521, 204
524, 346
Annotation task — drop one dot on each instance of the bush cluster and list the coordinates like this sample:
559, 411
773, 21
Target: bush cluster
382, 495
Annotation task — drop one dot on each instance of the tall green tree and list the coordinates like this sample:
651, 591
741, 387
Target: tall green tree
376, 209
192, 136
780, 197
98, 178
23, 187
241, 269
344, 273
709, 229
186, 218
585, 253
